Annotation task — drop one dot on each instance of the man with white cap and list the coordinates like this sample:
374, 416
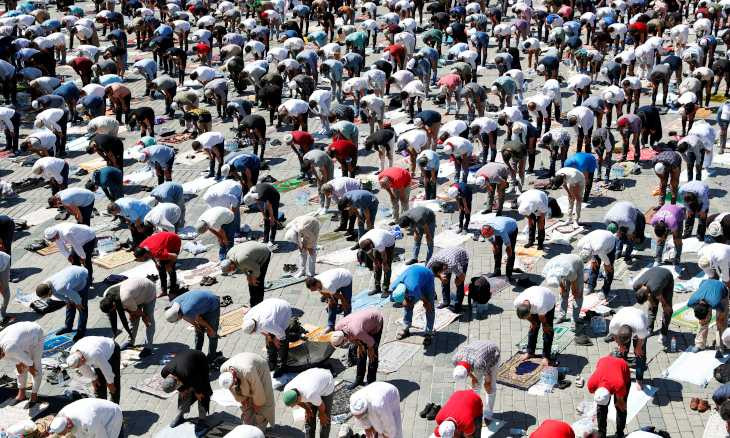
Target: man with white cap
312, 390
75, 242
56, 121
270, 318
479, 360
188, 372
88, 418
246, 376
627, 325
565, 271
54, 170
461, 416
611, 377
200, 308
22, 344
376, 252
71, 285
536, 304
98, 358
376, 408
251, 258
362, 331
533, 204
137, 297
599, 246
245, 431
303, 231
714, 259
220, 222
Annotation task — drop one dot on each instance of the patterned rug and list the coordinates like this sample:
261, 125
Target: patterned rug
231, 321
289, 184
114, 259
520, 375
152, 386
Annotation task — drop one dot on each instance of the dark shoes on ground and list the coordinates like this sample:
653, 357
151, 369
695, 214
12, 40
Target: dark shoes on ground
429, 411
411, 261
583, 340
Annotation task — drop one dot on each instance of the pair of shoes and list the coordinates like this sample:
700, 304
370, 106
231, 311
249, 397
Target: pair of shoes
355, 384
699, 405
561, 319
208, 281
427, 340
385, 294
426, 410
583, 341
63, 331
431, 414
411, 261
694, 403
374, 292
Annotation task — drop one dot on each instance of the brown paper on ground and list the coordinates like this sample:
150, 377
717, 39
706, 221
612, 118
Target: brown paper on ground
114, 259
50, 249
231, 321
93, 165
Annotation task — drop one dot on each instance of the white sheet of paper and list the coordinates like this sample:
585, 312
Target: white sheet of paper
637, 400
339, 258
432, 204
38, 217
695, 368
197, 185
715, 427
224, 398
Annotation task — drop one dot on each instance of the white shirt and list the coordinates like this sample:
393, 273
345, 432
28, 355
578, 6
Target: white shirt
614, 94
215, 217
94, 90
355, 85
416, 139
210, 139
585, 118
245, 431
383, 409
542, 299
94, 418
415, 88
5, 262
579, 81
295, 107
623, 213
633, 317
272, 317
19, 340
73, 236
551, 88
513, 114
485, 124
381, 239
51, 168
334, 279
453, 128
542, 102
205, 74
312, 385
97, 350
5, 115
46, 138
226, 193
719, 257
532, 202
459, 146
432, 157
342, 185
572, 176
134, 292
599, 243
163, 216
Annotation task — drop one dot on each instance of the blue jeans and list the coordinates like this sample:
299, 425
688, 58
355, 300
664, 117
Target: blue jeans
346, 292
230, 231
212, 318
429, 244
83, 314
430, 315
373, 209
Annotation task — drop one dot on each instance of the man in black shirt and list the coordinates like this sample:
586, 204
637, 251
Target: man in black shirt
145, 118
109, 147
657, 286
188, 373
253, 126
382, 140
267, 198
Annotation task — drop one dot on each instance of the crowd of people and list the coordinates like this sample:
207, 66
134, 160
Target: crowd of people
361, 67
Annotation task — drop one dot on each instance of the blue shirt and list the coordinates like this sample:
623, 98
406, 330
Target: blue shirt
712, 291
132, 209
582, 161
68, 90
108, 176
159, 154
502, 226
168, 191
246, 161
76, 197
67, 283
418, 281
94, 104
362, 199
197, 302
721, 394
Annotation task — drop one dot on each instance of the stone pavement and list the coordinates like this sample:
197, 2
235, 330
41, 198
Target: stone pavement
425, 378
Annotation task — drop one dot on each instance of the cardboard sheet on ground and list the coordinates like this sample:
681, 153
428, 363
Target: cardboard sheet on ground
139, 176
520, 375
637, 400
365, 301
340, 257
114, 259
38, 217
193, 277
432, 204
450, 239
152, 386
231, 321
715, 427
558, 235
530, 252
563, 338
50, 249
77, 144
444, 317
93, 165
224, 398
684, 317
563, 202
402, 127
393, 355
695, 368
283, 282
11, 415
197, 185
314, 334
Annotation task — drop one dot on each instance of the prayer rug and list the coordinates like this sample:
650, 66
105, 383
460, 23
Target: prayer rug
93, 165
715, 427
341, 399
224, 397
314, 334
703, 113
695, 368
330, 237
178, 138
393, 355
638, 398
231, 321
141, 270
562, 339
683, 316
645, 154
529, 252
520, 375
444, 317
78, 144
194, 276
340, 257
189, 429
289, 184
152, 386
53, 343
494, 427
283, 282
365, 301
38, 217
432, 204
50, 249
197, 185
114, 259
190, 159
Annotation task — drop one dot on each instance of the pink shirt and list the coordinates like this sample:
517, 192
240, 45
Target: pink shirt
451, 80
362, 325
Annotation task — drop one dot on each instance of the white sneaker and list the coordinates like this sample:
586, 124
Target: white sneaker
272, 246
299, 274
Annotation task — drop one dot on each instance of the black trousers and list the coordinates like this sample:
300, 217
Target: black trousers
86, 212
256, 293
162, 271
101, 390
602, 417
498, 254
547, 338
277, 357
362, 360
89, 250
269, 229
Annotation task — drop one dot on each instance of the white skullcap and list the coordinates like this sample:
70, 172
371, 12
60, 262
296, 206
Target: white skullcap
541, 68
660, 168
225, 170
248, 326
250, 198
291, 235
494, 89
74, 360
38, 123
225, 264
225, 380
35, 104
703, 262
447, 429
58, 424
50, 233
726, 337
172, 314
175, 106
714, 229
245, 431
337, 338
585, 254
453, 192
358, 404
460, 372
602, 396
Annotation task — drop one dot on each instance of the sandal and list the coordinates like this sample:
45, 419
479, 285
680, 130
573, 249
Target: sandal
226, 301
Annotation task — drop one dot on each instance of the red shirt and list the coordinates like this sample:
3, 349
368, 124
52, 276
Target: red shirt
611, 373
81, 63
202, 48
462, 407
343, 149
303, 139
397, 50
553, 429
639, 26
400, 178
161, 245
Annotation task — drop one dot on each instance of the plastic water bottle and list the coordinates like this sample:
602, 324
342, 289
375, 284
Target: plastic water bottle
673, 345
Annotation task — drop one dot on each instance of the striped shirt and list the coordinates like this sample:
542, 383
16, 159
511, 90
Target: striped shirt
455, 258
482, 356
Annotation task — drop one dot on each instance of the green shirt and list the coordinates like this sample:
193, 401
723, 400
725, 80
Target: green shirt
249, 257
